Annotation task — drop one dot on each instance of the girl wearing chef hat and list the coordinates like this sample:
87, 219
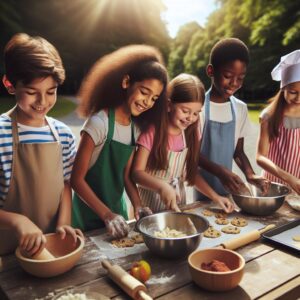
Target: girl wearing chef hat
279, 142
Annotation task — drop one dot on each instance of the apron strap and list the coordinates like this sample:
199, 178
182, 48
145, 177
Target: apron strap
52, 128
111, 124
111, 127
13, 115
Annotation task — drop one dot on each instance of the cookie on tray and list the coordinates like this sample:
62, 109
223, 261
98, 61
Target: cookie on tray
212, 233
231, 229
222, 221
123, 243
239, 222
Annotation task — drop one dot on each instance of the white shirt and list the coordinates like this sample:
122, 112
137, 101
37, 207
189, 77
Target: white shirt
221, 112
97, 127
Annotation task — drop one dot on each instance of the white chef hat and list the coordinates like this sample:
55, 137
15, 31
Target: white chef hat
288, 70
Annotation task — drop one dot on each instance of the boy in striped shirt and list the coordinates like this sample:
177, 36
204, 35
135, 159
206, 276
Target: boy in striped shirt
36, 151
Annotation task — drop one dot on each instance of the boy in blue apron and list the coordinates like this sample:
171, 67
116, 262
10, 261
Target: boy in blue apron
225, 122
36, 152
124, 86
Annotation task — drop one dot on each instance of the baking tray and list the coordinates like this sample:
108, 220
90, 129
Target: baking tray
284, 235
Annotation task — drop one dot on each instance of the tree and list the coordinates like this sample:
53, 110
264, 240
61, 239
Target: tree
179, 48
83, 31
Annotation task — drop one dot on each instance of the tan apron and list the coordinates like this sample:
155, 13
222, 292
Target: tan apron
36, 185
174, 175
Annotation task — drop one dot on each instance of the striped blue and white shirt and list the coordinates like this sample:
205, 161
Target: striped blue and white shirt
28, 134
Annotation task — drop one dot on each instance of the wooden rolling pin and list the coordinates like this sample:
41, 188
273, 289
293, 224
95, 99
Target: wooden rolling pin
245, 239
128, 283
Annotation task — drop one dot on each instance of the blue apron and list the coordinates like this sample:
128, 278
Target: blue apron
218, 145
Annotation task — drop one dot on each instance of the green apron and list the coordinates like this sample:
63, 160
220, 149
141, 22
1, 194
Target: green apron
106, 179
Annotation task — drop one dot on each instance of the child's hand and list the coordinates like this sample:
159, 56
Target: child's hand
231, 181
295, 185
259, 182
225, 203
141, 212
169, 196
31, 238
63, 230
116, 225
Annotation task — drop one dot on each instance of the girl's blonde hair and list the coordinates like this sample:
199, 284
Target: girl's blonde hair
102, 87
182, 89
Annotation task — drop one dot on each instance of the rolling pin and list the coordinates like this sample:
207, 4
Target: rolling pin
245, 239
128, 283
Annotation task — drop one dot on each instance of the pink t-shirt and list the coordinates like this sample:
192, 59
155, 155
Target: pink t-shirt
175, 142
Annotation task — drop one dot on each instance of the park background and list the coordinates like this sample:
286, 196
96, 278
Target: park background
85, 30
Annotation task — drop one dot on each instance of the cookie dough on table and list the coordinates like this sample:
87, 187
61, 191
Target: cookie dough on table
222, 221
128, 241
239, 222
221, 215
231, 229
212, 233
207, 213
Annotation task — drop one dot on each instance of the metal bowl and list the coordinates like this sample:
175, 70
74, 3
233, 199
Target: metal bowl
190, 224
259, 203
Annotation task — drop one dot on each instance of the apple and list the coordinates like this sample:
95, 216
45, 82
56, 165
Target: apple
141, 270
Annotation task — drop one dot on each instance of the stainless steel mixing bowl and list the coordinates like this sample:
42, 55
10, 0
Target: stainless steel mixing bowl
259, 203
190, 224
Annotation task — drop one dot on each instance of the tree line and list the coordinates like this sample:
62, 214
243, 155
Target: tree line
84, 30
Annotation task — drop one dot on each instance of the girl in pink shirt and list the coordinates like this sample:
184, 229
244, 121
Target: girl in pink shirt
163, 161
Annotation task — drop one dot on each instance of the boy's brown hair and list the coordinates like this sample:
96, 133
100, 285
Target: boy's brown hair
27, 58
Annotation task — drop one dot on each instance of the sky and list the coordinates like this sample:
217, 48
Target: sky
180, 12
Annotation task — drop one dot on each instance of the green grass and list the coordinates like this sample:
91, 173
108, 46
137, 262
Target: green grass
254, 109
62, 107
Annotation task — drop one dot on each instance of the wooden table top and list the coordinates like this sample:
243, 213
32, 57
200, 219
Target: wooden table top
271, 272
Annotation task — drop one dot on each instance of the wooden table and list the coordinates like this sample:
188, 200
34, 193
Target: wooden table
271, 272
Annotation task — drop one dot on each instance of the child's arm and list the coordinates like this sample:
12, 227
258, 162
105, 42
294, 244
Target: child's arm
230, 181
30, 237
115, 224
202, 186
263, 160
132, 192
64, 218
140, 176
242, 161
